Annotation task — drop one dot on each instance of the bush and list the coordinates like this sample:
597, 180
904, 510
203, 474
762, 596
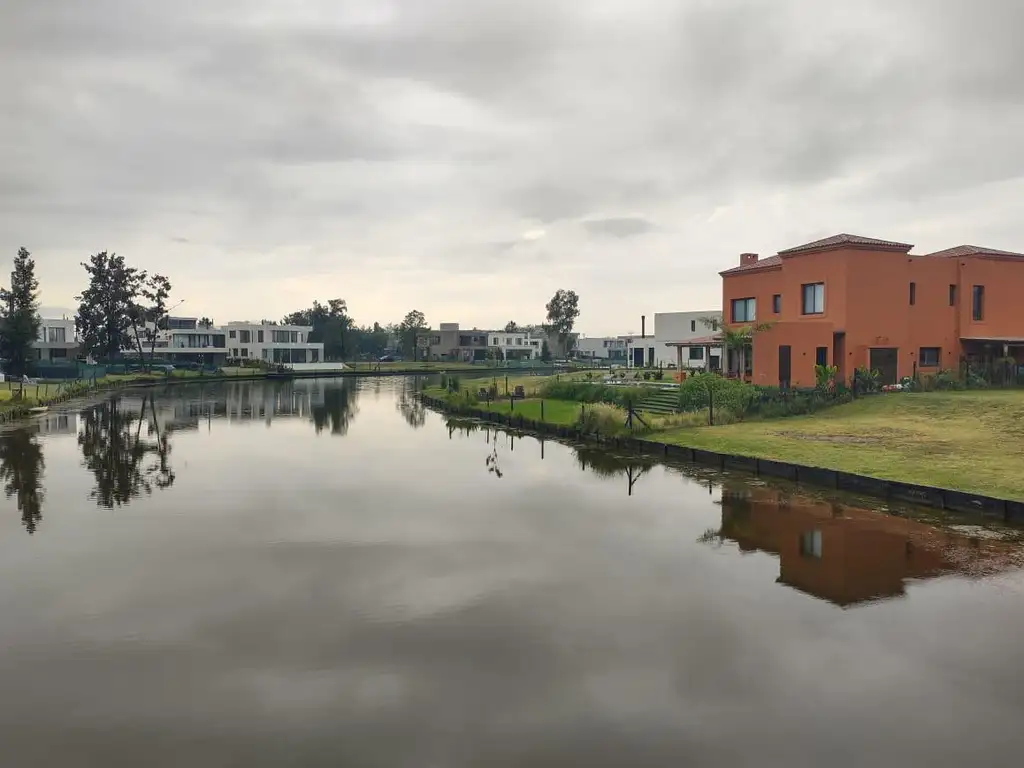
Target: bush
607, 420
586, 392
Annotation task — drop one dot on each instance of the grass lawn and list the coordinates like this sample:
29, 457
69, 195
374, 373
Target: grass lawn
560, 412
970, 441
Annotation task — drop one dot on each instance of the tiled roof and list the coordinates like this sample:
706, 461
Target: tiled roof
845, 239
770, 261
973, 250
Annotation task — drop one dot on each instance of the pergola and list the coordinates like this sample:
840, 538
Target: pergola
705, 342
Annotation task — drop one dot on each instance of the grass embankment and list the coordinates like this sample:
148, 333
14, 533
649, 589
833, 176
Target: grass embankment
970, 441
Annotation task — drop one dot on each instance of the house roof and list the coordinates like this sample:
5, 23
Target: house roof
973, 250
846, 239
770, 261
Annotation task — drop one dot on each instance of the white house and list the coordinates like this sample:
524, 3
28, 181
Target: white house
602, 347
272, 343
672, 330
56, 339
516, 345
186, 342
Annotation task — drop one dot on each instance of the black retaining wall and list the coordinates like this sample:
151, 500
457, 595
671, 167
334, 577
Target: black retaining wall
923, 495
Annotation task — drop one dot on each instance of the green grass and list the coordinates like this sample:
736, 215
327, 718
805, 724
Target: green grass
558, 412
971, 441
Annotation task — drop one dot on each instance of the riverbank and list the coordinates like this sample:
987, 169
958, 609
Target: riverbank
946, 449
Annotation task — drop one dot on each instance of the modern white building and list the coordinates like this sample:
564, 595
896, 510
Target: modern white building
56, 340
516, 345
660, 348
272, 343
186, 342
602, 348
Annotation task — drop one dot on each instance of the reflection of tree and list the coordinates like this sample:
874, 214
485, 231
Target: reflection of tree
610, 465
337, 410
125, 462
21, 468
412, 408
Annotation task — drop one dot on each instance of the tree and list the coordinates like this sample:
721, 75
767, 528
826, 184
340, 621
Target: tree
736, 338
150, 306
511, 327
563, 309
413, 323
545, 351
331, 326
205, 322
107, 307
19, 321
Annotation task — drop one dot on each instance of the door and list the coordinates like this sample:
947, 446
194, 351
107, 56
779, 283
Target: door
638, 357
885, 361
785, 365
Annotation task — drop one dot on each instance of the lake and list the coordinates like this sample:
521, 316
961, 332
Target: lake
325, 574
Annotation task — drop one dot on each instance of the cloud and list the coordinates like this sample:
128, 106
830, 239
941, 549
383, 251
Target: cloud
621, 227
364, 139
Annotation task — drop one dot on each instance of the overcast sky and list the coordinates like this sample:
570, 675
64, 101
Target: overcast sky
469, 157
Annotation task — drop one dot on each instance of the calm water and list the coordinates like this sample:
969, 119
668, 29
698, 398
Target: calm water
326, 575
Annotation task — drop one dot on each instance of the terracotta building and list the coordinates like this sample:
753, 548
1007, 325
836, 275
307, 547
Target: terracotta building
853, 301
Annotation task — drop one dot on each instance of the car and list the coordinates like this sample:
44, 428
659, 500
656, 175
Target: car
386, 359
167, 368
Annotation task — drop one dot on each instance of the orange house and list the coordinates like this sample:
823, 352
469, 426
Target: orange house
854, 302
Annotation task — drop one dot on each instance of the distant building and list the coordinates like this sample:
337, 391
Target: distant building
602, 348
184, 341
56, 340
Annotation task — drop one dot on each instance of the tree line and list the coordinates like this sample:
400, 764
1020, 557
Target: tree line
124, 307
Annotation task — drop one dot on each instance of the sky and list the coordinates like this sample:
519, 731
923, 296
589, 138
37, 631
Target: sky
467, 158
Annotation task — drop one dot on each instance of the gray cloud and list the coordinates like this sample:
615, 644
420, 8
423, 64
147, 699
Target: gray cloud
619, 227
335, 143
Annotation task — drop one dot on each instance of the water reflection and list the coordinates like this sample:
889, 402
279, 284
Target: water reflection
606, 464
21, 470
848, 555
126, 448
334, 408
411, 407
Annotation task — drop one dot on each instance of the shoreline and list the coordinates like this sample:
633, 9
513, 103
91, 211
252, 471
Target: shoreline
964, 502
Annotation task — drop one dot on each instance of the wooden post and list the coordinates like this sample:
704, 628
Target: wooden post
711, 406
542, 410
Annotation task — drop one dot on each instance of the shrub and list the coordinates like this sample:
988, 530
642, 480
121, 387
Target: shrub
607, 420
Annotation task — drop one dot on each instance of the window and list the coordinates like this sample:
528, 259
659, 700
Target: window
913, 294
744, 310
696, 353
693, 326
810, 544
298, 356
58, 353
928, 357
978, 302
265, 351
952, 295
245, 337
234, 353
821, 356
508, 341
494, 341
56, 335
231, 334
293, 337
245, 352
777, 303
259, 337
813, 299
519, 342
279, 337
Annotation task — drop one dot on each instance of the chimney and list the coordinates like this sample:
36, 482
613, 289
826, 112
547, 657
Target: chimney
643, 324
748, 258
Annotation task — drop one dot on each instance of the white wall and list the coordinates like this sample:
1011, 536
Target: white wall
677, 326
599, 347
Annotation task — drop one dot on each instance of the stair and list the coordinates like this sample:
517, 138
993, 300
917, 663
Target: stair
661, 402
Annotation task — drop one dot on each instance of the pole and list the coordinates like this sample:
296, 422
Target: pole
542, 410
711, 406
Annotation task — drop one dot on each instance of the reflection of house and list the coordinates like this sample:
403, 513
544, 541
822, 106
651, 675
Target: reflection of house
840, 554
56, 423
